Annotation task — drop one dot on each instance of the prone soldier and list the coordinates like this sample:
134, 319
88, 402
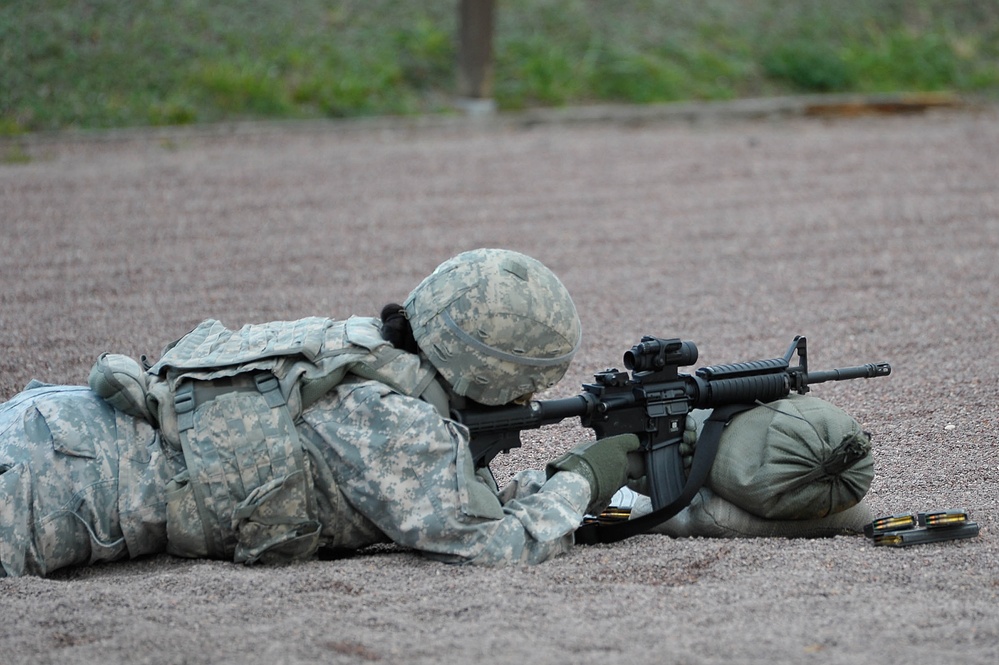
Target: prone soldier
283, 440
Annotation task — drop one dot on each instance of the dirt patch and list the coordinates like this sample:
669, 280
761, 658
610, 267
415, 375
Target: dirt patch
875, 237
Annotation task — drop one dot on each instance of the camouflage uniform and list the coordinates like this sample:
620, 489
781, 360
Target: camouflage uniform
277, 440
401, 471
83, 483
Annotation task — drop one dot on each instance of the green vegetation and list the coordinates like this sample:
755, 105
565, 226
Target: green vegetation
107, 63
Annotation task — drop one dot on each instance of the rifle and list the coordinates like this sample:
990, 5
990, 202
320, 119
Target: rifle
653, 403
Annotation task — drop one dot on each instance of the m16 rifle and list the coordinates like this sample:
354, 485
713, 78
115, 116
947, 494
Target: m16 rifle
653, 403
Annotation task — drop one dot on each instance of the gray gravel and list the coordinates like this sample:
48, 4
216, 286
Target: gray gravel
877, 237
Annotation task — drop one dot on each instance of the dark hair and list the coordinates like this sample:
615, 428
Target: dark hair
396, 328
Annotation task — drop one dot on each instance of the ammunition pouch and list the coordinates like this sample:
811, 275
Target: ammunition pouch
247, 493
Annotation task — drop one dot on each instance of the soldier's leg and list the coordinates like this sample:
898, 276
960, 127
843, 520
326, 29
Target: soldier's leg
59, 491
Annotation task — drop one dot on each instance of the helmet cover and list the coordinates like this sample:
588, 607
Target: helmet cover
496, 324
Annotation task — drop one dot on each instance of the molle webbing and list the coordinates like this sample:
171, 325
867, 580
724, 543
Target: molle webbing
230, 400
251, 481
211, 344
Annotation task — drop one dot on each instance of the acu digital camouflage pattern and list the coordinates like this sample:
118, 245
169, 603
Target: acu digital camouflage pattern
229, 400
497, 325
307, 356
362, 463
247, 491
80, 483
410, 472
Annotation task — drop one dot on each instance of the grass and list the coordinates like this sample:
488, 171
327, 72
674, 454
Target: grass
106, 63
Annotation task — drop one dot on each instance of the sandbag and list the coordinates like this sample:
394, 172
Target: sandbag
797, 458
710, 516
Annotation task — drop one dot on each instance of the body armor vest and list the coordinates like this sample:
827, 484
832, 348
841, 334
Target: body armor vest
230, 400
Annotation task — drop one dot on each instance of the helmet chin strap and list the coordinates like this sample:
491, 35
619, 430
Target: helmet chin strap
524, 399
461, 385
454, 399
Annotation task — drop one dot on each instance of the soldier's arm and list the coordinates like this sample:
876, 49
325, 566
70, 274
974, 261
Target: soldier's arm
410, 472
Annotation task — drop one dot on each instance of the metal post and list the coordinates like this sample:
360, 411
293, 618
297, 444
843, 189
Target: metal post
475, 56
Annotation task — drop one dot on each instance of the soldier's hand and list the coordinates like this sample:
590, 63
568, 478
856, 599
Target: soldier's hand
604, 463
688, 443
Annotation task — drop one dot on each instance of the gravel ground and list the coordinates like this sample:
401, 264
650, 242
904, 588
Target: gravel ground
877, 237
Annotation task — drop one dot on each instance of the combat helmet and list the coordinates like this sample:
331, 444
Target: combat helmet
496, 324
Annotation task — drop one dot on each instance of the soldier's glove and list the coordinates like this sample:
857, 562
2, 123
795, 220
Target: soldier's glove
689, 442
687, 446
604, 464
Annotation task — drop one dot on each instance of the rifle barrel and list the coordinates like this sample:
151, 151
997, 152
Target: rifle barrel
868, 371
